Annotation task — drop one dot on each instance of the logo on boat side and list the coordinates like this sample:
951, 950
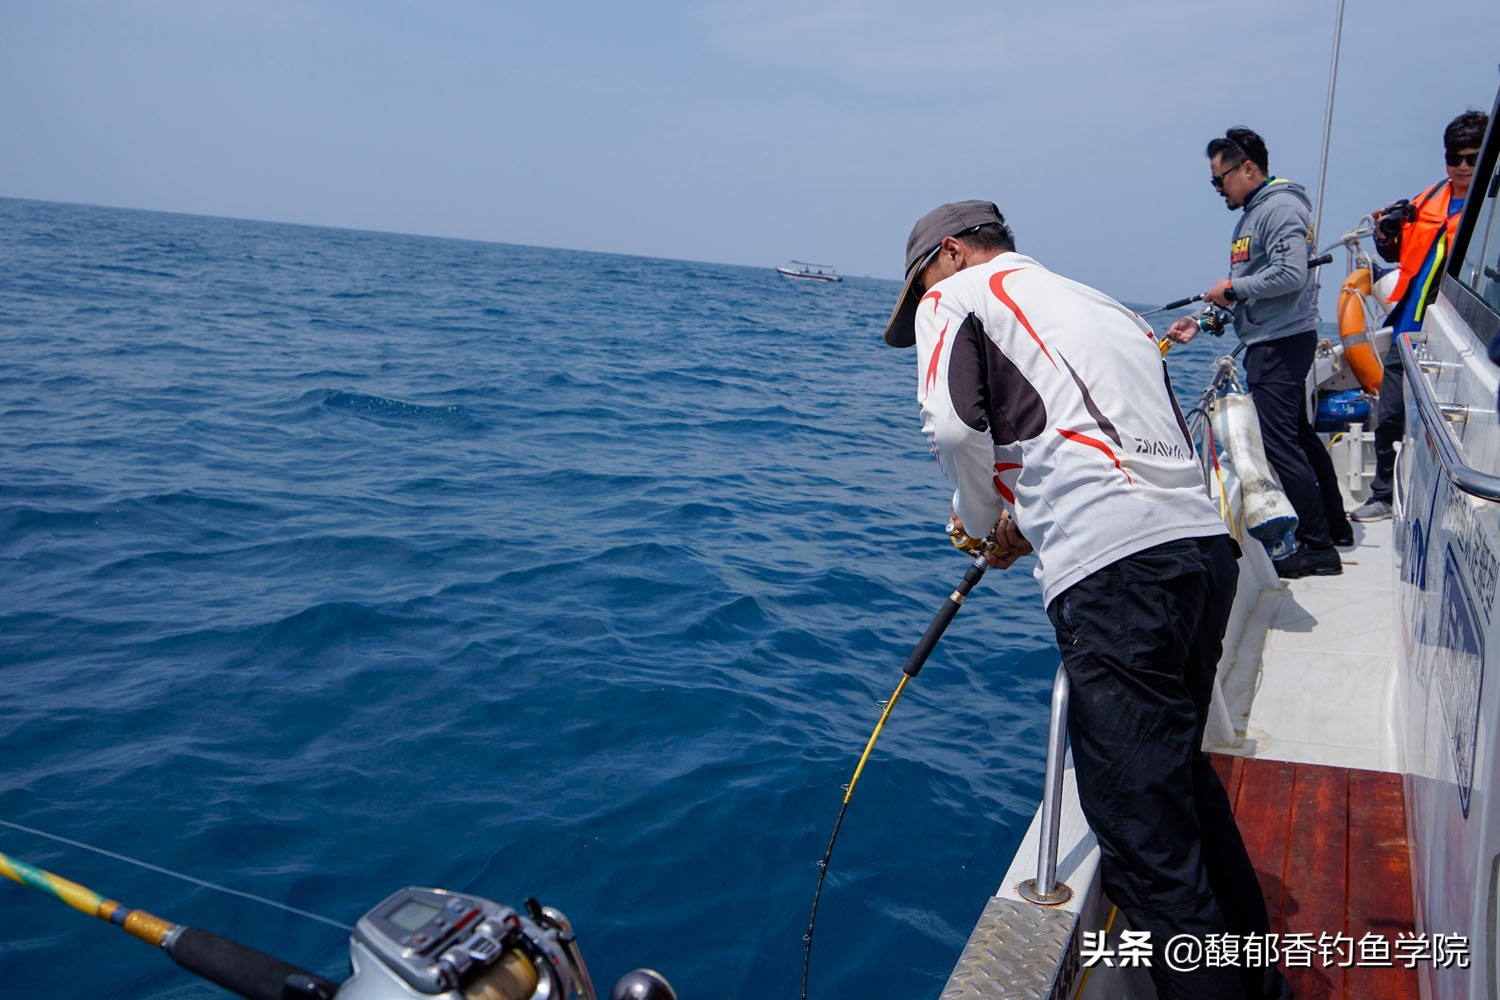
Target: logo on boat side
1458, 670
1468, 537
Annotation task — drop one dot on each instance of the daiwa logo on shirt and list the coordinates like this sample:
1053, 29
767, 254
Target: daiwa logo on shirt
1239, 251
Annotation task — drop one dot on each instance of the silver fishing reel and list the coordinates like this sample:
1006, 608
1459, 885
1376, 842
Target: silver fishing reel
431, 943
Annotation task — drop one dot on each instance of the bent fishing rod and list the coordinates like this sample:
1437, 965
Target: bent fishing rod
981, 550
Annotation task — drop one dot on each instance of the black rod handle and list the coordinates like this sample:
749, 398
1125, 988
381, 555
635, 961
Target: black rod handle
243, 970
943, 617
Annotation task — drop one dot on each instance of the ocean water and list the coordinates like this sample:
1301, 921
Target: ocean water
334, 561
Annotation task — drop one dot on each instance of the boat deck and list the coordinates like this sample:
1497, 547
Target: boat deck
1316, 789
1328, 664
1329, 845
1313, 772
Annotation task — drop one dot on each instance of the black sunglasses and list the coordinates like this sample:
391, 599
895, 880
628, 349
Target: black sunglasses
1454, 159
1217, 180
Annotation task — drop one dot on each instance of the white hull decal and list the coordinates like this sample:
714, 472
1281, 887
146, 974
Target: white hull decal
1469, 538
1449, 665
1459, 673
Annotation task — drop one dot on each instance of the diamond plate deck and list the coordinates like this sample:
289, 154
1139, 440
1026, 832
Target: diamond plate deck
1017, 950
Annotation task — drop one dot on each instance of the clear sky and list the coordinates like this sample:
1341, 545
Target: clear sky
746, 132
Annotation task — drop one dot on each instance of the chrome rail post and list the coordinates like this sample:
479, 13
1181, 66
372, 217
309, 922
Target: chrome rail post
1045, 890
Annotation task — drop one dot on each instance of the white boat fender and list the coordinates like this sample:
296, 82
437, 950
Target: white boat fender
1268, 515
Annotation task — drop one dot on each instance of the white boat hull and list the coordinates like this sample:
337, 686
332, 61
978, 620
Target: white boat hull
1447, 555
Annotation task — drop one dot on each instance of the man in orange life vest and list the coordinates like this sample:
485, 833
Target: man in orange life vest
1418, 234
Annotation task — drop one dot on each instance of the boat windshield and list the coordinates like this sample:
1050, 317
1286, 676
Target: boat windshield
1480, 267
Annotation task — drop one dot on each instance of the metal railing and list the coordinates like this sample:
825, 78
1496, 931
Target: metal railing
1435, 417
1045, 889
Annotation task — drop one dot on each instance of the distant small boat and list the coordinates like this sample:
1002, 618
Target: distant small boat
808, 272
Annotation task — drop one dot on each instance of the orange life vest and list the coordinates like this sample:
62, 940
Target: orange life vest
1417, 236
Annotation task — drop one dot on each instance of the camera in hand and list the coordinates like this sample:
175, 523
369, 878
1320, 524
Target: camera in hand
1396, 215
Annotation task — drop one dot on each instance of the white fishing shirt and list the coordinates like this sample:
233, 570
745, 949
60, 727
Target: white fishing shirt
1049, 398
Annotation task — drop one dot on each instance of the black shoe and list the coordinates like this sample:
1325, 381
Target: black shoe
1343, 533
1309, 562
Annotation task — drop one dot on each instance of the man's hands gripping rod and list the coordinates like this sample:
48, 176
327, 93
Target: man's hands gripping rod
1000, 548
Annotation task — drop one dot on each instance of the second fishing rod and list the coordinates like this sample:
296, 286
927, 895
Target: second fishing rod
1315, 262
1214, 318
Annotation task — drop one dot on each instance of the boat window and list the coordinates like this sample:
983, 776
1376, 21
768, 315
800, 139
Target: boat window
1480, 269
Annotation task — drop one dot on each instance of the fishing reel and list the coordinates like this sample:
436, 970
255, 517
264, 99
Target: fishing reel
1213, 320
968, 543
418, 943
434, 943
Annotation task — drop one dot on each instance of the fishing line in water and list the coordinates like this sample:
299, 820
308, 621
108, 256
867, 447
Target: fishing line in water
828, 854
177, 875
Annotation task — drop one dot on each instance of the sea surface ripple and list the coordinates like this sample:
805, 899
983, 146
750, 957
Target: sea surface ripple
335, 561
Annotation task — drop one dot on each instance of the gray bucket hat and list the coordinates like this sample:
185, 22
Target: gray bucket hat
952, 219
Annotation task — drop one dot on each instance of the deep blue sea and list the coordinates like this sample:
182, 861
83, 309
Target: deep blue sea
336, 561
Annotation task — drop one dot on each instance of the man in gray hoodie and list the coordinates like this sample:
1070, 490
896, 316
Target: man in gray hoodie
1274, 300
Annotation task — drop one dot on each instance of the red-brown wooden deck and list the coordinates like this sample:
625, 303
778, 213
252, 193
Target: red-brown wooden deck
1329, 845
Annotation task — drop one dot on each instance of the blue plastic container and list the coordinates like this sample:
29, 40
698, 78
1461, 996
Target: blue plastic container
1337, 410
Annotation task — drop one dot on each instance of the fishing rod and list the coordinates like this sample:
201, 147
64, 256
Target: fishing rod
236, 967
416, 943
180, 876
1177, 304
1213, 318
981, 549
1326, 258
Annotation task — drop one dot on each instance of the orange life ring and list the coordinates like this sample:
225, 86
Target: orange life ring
1358, 354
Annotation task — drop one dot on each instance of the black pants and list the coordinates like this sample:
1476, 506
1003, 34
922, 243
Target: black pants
1390, 423
1140, 640
1278, 376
